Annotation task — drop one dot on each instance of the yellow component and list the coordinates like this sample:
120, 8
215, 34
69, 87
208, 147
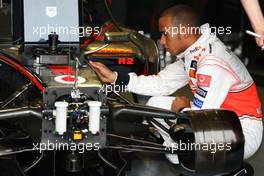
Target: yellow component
77, 135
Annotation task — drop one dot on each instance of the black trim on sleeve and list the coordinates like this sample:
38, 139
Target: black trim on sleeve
122, 79
210, 48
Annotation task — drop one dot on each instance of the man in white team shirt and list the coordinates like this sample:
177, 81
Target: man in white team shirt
216, 76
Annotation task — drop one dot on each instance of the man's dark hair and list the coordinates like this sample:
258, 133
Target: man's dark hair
182, 14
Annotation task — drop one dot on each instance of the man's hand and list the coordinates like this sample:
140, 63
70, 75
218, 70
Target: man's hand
105, 74
253, 10
260, 41
179, 103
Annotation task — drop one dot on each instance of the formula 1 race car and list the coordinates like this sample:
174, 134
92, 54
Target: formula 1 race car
44, 114
56, 118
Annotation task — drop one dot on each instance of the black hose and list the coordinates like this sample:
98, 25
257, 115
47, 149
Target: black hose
145, 149
106, 161
34, 163
134, 140
124, 165
10, 152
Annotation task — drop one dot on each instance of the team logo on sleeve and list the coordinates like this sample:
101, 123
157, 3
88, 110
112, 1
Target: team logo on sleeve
194, 64
201, 92
198, 103
203, 80
193, 69
197, 48
192, 73
200, 54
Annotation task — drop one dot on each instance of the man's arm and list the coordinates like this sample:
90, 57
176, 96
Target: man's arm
165, 82
256, 18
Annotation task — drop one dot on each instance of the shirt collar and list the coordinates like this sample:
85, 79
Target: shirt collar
206, 33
